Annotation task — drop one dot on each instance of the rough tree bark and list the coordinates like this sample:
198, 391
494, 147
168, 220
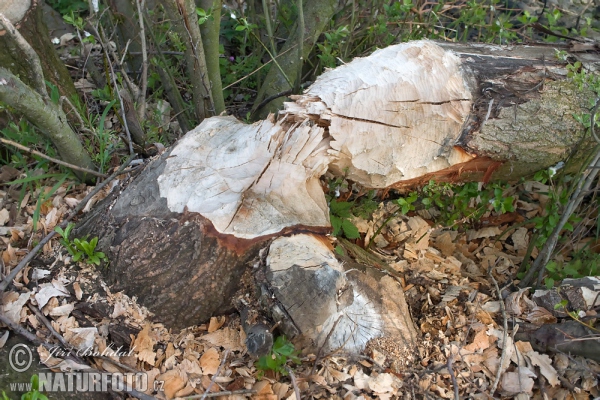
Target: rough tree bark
184, 232
26, 15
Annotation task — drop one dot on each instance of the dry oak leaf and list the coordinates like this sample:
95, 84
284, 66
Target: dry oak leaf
209, 362
144, 345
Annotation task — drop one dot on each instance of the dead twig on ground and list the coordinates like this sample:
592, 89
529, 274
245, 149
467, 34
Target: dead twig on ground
452, 376
294, 383
54, 160
505, 333
214, 377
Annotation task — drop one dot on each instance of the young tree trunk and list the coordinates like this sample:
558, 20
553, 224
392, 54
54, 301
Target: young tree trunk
229, 194
420, 110
27, 17
317, 14
185, 22
49, 118
210, 30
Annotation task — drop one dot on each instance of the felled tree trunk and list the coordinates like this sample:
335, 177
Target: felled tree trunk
419, 111
183, 233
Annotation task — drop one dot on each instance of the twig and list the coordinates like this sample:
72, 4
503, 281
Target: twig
116, 87
122, 60
4, 284
141, 99
223, 393
77, 115
452, 377
300, 48
53, 332
54, 160
274, 60
214, 377
30, 54
294, 383
280, 94
268, 26
505, 334
258, 69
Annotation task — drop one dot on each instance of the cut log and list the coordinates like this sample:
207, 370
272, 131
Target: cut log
183, 233
419, 110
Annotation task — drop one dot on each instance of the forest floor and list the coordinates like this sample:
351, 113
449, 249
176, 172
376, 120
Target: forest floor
453, 277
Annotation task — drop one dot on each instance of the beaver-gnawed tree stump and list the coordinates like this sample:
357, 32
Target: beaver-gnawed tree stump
182, 234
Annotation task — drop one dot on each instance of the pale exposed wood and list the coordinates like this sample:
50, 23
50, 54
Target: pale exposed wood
249, 180
393, 115
336, 307
420, 110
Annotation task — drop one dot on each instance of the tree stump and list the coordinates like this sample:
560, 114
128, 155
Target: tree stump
183, 232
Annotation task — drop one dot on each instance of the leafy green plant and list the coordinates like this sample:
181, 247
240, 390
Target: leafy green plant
340, 215
583, 263
65, 7
282, 352
406, 203
80, 248
466, 202
331, 48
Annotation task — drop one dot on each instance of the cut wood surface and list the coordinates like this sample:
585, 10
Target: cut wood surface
182, 234
419, 110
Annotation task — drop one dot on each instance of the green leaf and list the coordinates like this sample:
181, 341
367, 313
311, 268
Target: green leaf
336, 223
350, 230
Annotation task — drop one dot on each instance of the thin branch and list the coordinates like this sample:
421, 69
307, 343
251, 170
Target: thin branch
214, 377
141, 98
30, 54
294, 383
223, 393
116, 87
268, 26
53, 332
280, 94
122, 61
8, 279
54, 160
452, 377
505, 335
76, 113
274, 59
259, 68
300, 47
